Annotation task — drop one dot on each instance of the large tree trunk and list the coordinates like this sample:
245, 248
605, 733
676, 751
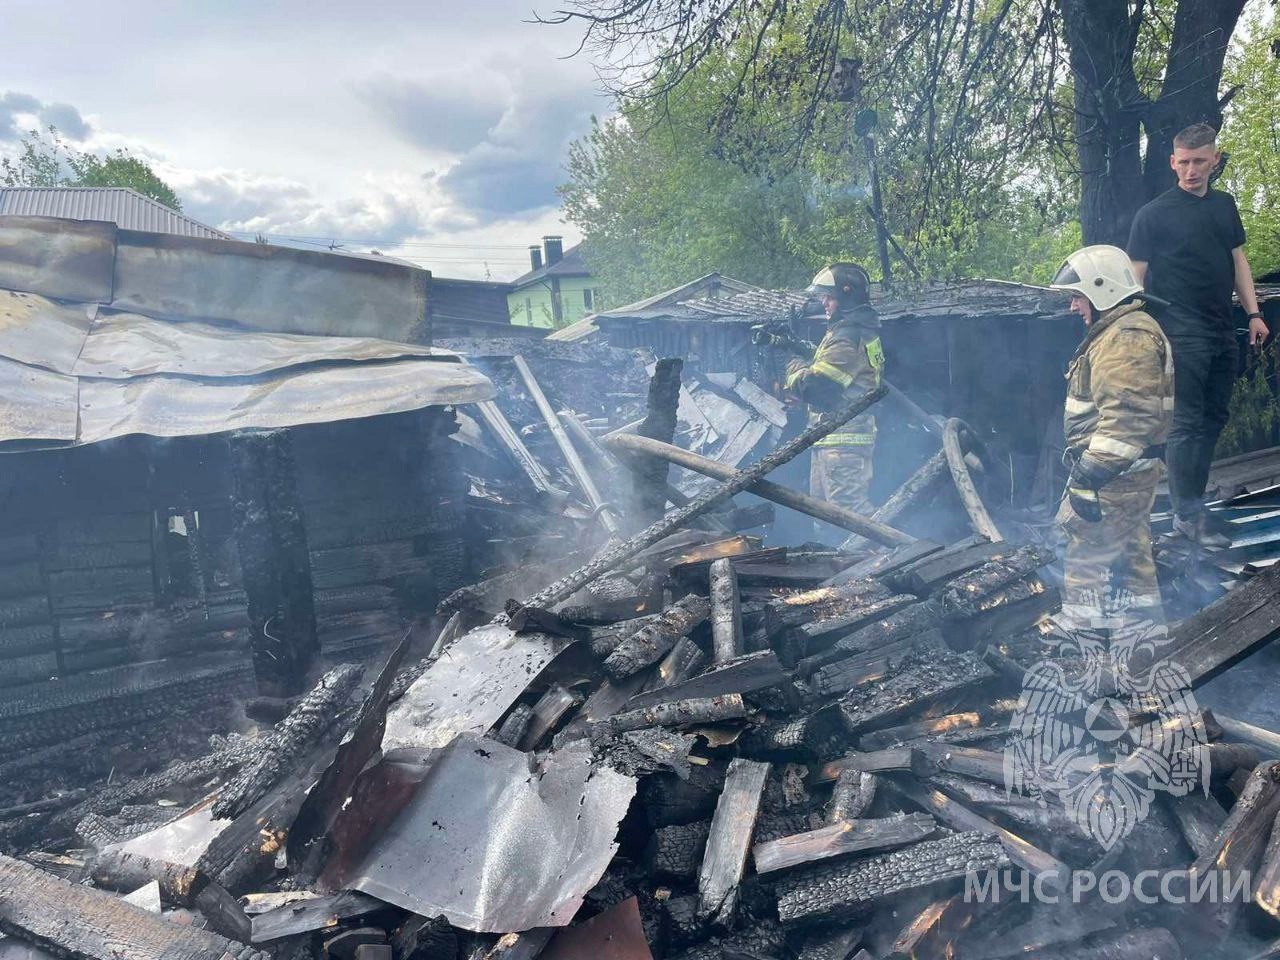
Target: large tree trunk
1113, 114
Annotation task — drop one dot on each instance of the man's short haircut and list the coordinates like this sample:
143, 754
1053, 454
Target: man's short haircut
1195, 136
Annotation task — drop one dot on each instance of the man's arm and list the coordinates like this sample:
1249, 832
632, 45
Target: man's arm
1140, 271
1258, 331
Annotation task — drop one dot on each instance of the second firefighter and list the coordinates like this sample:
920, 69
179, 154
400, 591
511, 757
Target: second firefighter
848, 361
1118, 410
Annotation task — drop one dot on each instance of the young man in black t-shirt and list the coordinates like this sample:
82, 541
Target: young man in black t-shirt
1188, 246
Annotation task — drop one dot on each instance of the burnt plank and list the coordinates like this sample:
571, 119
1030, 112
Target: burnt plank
830, 944
930, 573
959, 817
920, 729
730, 839
1228, 630
80, 591
1007, 612
1266, 885
884, 565
754, 671
966, 595
851, 796
1199, 817
844, 674
683, 661
931, 934
842, 837
1243, 835
893, 759
918, 683
675, 713
904, 624
87, 556
726, 611
847, 599
77, 921
827, 630
985, 765
846, 889
652, 641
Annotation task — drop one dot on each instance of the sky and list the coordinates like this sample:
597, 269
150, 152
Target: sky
434, 130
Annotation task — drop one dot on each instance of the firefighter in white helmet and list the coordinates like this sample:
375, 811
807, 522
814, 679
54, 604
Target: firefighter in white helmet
848, 361
1118, 410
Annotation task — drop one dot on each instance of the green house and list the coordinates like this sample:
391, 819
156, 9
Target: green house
557, 291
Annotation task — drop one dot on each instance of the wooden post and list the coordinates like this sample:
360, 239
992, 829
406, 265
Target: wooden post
726, 611
276, 565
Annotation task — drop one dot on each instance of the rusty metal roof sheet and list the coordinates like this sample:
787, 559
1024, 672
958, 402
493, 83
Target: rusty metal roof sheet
119, 205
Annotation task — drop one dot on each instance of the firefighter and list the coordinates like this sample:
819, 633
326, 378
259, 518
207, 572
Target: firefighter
1118, 411
847, 362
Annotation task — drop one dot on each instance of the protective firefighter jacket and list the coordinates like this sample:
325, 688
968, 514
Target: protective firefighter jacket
1120, 391
848, 361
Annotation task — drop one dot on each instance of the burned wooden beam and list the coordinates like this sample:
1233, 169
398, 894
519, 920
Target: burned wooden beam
1240, 844
891, 760
959, 817
974, 762
649, 473
857, 597
928, 574
288, 741
677, 713
924, 483
785, 496
652, 641
1009, 611
898, 623
851, 796
603, 509
1266, 884
726, 611
918, 683
179, 886
317, 913
567, 585
676, 852
274, 560
831, 944
848, 888
685, 660
964, 596
919, 730
72, 920
842, 837
1267, 742
1199, 817
882, 565
745, 674
840, 676
513, 728
1225, 632
730, 839
931, 934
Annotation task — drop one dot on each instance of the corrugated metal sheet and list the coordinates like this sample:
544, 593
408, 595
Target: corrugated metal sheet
119, 205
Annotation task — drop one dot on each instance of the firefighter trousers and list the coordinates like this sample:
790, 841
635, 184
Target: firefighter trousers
1108, 568
842, 475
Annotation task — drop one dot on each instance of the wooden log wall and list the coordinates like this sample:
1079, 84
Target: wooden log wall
385, 507
124, 552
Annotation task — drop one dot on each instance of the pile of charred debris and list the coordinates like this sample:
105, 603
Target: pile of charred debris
678, 744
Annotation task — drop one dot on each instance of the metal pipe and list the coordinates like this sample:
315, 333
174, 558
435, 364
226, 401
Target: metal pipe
821, 509
567, 585
602, 509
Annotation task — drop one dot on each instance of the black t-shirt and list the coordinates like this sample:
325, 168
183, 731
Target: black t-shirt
1186, 242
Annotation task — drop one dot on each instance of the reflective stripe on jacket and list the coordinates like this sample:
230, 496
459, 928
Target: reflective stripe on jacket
1120, 389
849, 361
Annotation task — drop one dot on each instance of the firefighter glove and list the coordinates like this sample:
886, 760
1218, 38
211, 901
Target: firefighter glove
1088, 476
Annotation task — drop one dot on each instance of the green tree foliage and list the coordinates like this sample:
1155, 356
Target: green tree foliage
46, 160
672, 189
1251, 135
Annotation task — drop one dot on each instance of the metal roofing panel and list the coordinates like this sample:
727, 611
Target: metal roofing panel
42, 332
278, 289
122, 345
119, 205
171, 406
57, 258
36, 404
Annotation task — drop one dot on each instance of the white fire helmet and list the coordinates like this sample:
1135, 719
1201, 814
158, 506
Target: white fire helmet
1102, 274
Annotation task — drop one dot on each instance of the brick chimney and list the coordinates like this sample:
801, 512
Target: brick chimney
535, 257
555, 250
